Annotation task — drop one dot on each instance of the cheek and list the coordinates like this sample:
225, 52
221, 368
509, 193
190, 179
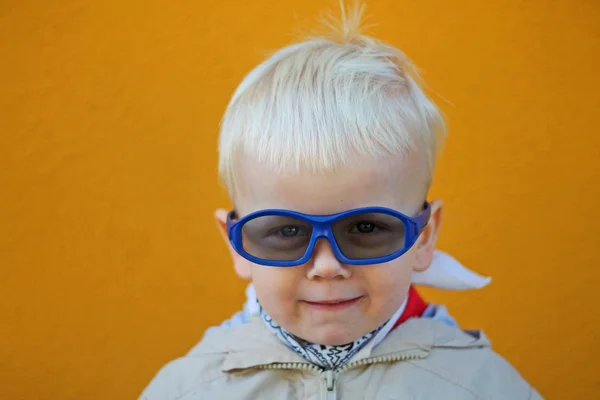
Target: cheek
388, 283
274, 286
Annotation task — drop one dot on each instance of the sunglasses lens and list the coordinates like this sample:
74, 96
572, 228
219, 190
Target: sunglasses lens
276, 238
369, 235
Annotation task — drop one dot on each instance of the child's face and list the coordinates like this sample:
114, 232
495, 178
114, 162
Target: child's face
296, 297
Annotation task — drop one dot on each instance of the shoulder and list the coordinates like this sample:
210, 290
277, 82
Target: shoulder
463, 358
202, 366
183, 375
469, 362
207, 368
482, 372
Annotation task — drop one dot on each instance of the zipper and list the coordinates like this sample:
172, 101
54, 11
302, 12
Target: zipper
332, 374
293, 365
384, 359
330, 385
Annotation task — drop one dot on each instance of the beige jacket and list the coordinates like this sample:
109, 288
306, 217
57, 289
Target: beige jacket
421, 359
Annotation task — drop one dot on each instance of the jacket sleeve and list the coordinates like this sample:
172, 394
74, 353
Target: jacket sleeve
163, 385
535, 395
498, 379
177, 378
185, 375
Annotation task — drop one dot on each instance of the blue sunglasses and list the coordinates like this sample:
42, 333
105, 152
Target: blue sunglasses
361, 236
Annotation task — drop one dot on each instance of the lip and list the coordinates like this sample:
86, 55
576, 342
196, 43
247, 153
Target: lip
333, 305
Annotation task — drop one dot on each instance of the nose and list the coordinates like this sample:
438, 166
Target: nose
324, 264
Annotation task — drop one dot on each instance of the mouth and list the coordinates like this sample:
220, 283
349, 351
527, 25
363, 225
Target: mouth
333, 305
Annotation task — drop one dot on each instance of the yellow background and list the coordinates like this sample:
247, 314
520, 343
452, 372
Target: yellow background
110, 260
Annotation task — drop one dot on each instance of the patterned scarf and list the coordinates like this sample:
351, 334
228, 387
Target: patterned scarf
329, 356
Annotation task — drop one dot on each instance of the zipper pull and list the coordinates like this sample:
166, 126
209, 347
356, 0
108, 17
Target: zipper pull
330, 383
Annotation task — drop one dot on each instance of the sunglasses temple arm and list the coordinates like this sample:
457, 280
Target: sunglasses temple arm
423, 219
230, 222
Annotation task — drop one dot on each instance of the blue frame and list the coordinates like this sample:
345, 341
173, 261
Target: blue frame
322, 229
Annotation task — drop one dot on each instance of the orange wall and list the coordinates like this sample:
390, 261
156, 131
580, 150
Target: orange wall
110, 263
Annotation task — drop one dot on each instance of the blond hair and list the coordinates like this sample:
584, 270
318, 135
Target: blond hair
318, 105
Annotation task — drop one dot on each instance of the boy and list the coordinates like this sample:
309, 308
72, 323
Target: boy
327, 149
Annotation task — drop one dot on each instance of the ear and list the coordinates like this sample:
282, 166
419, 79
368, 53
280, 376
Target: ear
241, 265
426, 243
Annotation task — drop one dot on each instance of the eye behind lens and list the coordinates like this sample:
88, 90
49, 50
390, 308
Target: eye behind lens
289, 231
363, 227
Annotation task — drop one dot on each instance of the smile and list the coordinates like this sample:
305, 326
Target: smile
333, 305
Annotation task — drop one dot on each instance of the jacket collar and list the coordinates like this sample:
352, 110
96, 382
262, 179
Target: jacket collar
251, 345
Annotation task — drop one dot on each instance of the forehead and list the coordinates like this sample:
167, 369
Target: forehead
398, 182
